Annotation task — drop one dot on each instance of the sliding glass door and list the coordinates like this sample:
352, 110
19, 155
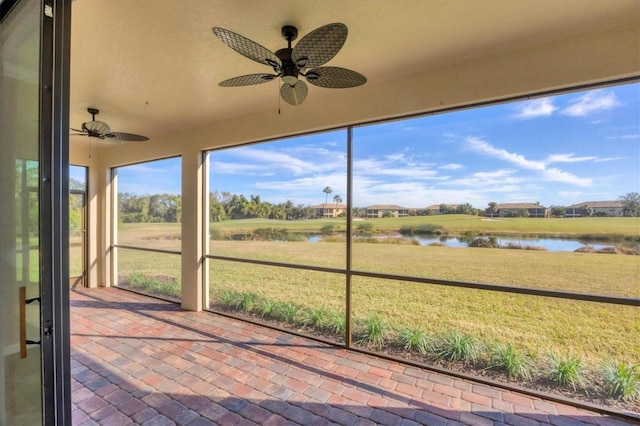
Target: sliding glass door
34, 372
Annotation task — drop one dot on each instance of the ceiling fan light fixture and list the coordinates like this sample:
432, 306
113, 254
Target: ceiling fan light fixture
99, 127
291, 80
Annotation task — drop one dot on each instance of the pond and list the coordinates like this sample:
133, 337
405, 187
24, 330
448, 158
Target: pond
550, 244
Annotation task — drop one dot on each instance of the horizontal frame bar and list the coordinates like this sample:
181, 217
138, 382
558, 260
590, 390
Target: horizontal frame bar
147, 249
585, 297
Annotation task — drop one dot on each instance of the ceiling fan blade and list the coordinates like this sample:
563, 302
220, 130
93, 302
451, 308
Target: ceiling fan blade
247, 48
319, 46
78, 130
335, 77
294, 95
126, 137
247, 80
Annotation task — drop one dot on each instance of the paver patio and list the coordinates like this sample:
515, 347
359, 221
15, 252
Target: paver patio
139, 360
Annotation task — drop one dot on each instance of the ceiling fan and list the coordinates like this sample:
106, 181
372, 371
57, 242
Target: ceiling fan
305, 59
101, 130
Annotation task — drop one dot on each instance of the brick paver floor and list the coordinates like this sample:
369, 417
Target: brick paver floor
138, 360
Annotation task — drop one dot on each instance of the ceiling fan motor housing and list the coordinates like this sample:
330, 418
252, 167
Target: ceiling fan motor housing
289, 71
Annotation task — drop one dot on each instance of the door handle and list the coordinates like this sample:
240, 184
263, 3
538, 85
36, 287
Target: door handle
23, 322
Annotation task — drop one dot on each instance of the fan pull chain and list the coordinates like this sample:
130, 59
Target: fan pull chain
278, 92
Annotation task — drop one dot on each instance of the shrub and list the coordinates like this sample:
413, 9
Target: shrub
326, 230
216, 234
518, 246
415, 339
275, 234
364, 229
514, 363
622, 379
424, 229
566, 370
373, 332
459, 347
490, 242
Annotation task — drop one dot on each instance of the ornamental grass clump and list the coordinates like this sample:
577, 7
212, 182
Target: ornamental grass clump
517, 365
373, 333
315, 317
160, 285
337, 323
622, 379
566, 370
267, 308
459, 347
287, 312
415, 340
247, 301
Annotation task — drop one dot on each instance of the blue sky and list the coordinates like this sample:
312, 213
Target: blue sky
559, 150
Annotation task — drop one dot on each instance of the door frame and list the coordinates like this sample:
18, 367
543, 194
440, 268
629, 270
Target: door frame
55, 41
54, 202
83, 238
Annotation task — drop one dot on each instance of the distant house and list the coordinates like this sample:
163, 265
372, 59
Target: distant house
381, 210
329, 209
435, 208
513, 209
608, 208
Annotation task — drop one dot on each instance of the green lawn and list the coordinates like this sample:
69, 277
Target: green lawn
456, 224
533, 324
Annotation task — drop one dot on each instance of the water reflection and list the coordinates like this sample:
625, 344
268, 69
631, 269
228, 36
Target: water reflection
548, 244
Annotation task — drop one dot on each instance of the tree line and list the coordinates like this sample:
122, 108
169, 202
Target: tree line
224, 205
134, 208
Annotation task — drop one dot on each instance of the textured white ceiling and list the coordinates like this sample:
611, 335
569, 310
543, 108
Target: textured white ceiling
153, 66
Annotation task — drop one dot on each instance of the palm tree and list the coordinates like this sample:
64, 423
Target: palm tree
338, 199
327, 190
493, 208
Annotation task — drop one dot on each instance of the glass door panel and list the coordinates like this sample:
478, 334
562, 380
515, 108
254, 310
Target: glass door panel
20, 283
77, 232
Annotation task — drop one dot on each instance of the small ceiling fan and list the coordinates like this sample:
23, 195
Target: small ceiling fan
101, 130
305, 59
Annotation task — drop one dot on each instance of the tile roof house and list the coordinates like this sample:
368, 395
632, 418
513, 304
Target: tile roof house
511, 209
329, 209
379, 210
608, 208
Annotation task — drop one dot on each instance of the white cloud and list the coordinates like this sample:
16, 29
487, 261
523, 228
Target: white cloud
591, 102
568, 158
452, 166
551, 175
535, 108
239, 168
557, 175
631, 136
372, 167
485, 148
395, 157
602, 160
492, 179
570, 194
